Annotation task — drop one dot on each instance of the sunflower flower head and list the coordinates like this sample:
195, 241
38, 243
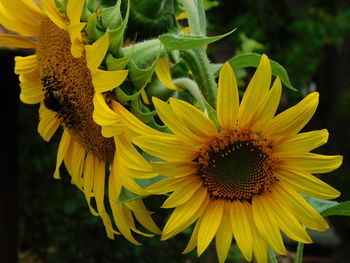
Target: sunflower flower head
63, 76
243, 179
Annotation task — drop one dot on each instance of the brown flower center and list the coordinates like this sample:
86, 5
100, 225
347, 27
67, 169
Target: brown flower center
234, 166
69, 91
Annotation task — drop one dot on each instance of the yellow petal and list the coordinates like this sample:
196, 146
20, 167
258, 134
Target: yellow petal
211, 220
77, 46
143, 216
170, 149
7, 40
194, 238
52, 12
241, 228
223, 238
74, 10
99, 191
286, 219
266, 223
183, 194
228, 98
194, 119
313, 163
107, 80
181, 16
133, 123
15, 16
176, 169
301, 143
174, 122
31, 90
111, 123
163, 73
88, 181
74, 162
26, 65
302, 210
308, 184
48, 123
165, 186
96, 52
36, 11
183, 216
292, 120
62, 150
267, 108
256, 92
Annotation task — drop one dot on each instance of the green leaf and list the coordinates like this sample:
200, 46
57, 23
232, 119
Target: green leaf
183, 42
111, 16
329, 208
92, 28
341, 209
141, 76
141, 111
253, 60
113, 63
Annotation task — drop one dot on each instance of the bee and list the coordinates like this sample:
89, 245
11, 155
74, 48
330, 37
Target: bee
54, 99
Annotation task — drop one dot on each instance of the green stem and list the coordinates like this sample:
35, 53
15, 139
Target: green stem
199, 64
192, 16
299, 253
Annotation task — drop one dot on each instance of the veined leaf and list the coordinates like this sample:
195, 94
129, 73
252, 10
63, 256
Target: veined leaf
253, 60
183, 42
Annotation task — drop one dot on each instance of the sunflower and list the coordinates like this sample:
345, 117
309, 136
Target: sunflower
242, 175
63, 75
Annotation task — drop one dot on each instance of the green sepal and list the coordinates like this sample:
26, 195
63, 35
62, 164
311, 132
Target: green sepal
92, 27
141, 76
111, 17
116, 36
124, 98
329, 208
182, 41
141, 111
253, 60
113, 63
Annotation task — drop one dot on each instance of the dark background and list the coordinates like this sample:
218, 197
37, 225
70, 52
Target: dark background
45, 220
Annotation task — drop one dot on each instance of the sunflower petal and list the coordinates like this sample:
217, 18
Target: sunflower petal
308, 184
74, 162
194, 119
74, 10
176, 169
256, 92
228, 98
88, 181
211, 220
313, 163
48, 123
266, 223
176, 150
174, 123
223, 238
302, 143
292, 120
96, 52
182, 194
302, 210
62, 150
241, 228
7, 40
77, 46
194, 238
52, 12
185, 215
31, 89
26, 65
107, 80
163, 73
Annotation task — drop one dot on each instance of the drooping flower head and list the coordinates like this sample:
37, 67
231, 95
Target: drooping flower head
63, 76
241, 176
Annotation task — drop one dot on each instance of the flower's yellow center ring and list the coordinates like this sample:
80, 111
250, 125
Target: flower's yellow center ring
67, 83
234, 166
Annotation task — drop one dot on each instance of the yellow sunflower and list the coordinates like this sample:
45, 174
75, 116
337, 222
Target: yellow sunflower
63, 75
243, 177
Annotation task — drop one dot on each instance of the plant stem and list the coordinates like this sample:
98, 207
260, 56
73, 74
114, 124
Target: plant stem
299, 253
